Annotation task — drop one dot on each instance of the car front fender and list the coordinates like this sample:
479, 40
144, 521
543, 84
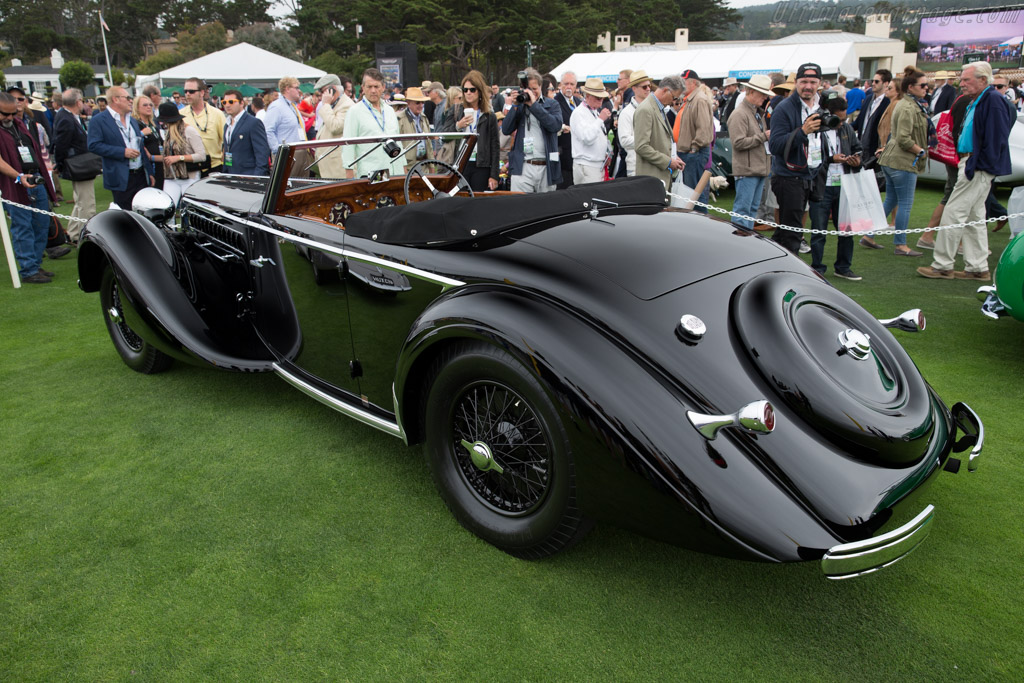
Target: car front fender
159, 303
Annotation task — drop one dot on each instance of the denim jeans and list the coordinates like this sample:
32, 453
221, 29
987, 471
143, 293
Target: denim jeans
29, 231
899, 192
748, 198
694, 169
821, 212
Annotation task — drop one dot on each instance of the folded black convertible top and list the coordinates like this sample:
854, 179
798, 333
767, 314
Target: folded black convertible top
456, 219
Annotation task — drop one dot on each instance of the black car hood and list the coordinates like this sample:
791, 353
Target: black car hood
677, 249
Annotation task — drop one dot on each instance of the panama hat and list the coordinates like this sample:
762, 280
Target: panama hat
594, 87
761, 83
638, 77
415, 94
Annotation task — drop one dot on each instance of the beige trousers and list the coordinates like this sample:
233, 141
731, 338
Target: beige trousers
85, 205
966, 203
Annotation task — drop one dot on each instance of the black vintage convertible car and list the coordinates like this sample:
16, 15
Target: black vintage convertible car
582, 355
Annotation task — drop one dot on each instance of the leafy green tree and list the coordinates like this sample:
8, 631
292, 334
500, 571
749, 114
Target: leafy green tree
202, 40
117, 76
268, 37
3, 79
232, 14
353, 65
75, 74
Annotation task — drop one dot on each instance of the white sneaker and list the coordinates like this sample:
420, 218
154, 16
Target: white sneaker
804, 247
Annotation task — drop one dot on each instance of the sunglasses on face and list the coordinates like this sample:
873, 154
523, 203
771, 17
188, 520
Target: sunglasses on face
645, 86
1000, 87
232, 101
191, 92
8, 113
20, 99
876, 81
469, 90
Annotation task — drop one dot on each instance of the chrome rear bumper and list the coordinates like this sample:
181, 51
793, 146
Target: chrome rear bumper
848, 560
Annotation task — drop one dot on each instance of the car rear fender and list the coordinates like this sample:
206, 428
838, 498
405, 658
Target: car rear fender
638, 462
153, 274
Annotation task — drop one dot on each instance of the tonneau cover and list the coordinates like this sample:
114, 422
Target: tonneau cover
456, 219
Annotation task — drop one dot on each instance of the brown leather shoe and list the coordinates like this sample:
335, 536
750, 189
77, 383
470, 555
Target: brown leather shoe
982, 276
929, 272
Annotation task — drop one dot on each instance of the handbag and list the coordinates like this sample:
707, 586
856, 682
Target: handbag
84, 166
682, 194
945, 149
860, 204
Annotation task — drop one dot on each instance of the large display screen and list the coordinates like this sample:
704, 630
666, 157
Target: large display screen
956, 39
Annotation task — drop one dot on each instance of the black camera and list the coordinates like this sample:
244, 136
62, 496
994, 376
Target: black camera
392, 149
828, 120
35, 179
524, 84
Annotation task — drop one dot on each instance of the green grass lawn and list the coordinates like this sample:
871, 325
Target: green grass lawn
202, 525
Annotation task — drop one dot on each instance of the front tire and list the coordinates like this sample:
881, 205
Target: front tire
518, 490
136, 353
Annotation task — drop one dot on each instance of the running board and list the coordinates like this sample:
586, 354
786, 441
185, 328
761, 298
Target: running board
355, 412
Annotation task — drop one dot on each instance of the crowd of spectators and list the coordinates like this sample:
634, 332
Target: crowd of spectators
542, 135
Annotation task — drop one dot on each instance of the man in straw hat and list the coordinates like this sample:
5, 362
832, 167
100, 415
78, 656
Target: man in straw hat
652, 136
641, 85
942, 99
731, 93
589, 136
749, 133
413, 120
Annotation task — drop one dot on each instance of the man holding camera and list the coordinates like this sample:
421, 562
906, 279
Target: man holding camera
796, 148
23, 179
334, 107
534, 163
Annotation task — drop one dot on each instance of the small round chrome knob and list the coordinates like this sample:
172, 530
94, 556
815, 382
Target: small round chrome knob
854, 343
691, 327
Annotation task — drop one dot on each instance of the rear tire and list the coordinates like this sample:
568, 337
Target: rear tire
136, 353
523, 500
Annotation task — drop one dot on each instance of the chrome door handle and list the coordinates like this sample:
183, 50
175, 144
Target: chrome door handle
258, 262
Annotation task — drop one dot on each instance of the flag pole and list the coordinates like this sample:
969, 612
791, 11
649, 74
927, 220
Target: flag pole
110, 75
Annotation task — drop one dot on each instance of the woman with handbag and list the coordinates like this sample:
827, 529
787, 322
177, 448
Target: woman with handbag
183, 152
142, 110
904, 155
476, 117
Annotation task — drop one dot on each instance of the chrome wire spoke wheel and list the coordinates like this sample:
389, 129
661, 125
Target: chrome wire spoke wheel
509, 470
116, 313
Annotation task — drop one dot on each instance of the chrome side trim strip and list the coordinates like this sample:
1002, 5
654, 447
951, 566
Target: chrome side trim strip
347, 253
848, 560
392, 428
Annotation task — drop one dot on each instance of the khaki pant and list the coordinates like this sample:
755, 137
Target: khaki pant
85, 205
966, 203
582, 173
534, 179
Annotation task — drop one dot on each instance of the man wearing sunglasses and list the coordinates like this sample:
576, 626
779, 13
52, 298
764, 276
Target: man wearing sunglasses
641, 87
209, 122
246, 151
875, 102
20, 162
116, 136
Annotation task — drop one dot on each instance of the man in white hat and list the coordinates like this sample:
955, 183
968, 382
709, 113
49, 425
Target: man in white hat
731, 91
334, 105
589, 135
641, 85
944, 94
749, 133
413, 121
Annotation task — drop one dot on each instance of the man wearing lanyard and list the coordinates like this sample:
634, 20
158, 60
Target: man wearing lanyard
415, 121
589, 139
116, 136
533, 161
209, 122
567, 102
284, 125
245, 140
69, 139
652, 135
370, 118
984, 154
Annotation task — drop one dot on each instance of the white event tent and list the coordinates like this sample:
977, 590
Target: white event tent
241, 63
737, 61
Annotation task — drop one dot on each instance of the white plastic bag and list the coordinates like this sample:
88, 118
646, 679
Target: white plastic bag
1016, 205
682, 194
860, 204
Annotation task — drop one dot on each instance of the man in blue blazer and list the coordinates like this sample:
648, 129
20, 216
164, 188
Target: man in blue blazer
246, 151
116, 136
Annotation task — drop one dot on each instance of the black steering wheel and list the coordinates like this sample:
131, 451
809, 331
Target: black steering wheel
415, 172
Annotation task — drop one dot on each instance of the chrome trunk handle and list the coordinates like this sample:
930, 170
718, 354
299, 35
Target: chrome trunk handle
908, 321
756, 418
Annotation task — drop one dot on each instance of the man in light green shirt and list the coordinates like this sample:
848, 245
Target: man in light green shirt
370, 117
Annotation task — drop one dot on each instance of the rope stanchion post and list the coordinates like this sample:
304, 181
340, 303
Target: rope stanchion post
9, 248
